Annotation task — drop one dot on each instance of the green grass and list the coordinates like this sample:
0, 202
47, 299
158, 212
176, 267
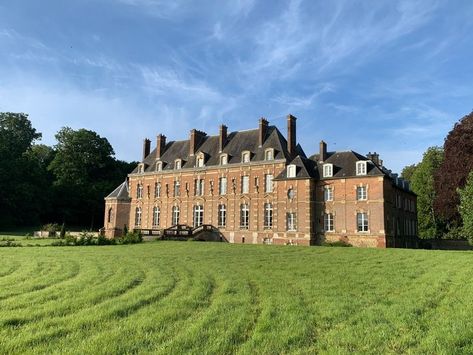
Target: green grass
190, 297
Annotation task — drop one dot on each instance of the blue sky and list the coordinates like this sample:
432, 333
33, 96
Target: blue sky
374, 75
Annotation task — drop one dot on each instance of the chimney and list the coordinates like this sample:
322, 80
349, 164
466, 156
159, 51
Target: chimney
291, 134
223, 138
160, 145
323, 151
263, 128
374, 157
146, 147
195, 140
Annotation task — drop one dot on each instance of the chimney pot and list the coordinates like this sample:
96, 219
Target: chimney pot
263, 129
323, 151
146, 147
291, 134
195, 140
160, 145
222, 138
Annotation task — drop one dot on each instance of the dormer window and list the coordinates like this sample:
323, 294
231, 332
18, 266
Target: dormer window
291, 171
269, 154
327, 170
224, 159
361, 168
177, 164
199, 163
245, 157
159, 166
141, 168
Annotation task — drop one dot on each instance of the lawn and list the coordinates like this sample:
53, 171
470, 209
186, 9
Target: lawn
192, 297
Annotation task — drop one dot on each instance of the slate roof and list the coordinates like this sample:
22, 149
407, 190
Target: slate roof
305, 169
121, 192
237, 143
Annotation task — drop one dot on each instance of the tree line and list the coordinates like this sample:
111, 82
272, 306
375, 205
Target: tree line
65, 183
443, 182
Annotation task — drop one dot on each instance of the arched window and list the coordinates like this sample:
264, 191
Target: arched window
269, 154
222, 215
224, 159
268, 216
138, 216
244, 216
175, 215
110, 215
157, 189
139, 191
156, 216
198, 215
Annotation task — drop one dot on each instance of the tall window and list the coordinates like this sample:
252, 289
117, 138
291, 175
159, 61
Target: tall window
200, 161
244, 216
157, 189
198, 187
328, 222
198, 215
361, 168
245, 157
139, 191
110, 215
327, 170
361, 193
138, 216
268, 183
222, 186
222, 215
268, 216
269, 155
245, 184
177, 164
291, 221
156, 216
177, 188
328, 193
159, 166
291, 171
362, 222
223, 159
175, 215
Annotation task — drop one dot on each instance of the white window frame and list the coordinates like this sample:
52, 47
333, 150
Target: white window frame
138, 214
328, 222
199, 187
200, 161
222, 215
224, 159
362, 222
244, 216
222, 185
198, 213
178, 164
177, 188
157, 189
327, 170
268, 216
361, 193
245, 184
269, 154
175, 215
268, 183
328, 193
139, 190
245, 157
159, 166
291, 171
361, 168
291, 221
156, 216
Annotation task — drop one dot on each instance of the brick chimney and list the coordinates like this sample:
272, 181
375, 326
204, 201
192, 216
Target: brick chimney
146, 147
374, 157
263, 129
222, 140
195, 140
160, 145
323, 151
291, 134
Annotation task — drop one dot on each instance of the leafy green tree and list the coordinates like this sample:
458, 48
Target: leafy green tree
408, 171
422, 183
466, 207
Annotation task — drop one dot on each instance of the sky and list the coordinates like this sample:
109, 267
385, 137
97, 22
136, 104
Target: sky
372, 75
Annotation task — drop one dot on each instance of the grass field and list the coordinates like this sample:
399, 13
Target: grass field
191, 297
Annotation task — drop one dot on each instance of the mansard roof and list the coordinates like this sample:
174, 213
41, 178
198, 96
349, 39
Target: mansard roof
236, 143
121, 192
305, 169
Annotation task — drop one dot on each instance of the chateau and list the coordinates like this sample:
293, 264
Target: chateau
256, 186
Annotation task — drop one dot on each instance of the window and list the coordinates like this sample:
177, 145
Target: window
361, 193
291, 194
268, 216
269, 154
110, 215
222, 215
362, 222
222, 186
159, 166
157, 189
175, 215
177, 188
328, 193
291, 171
245, 157
244, 216
198, 187
223, 159
156, 215
361, 168
245, 184
268, 183
328, 170
291, 221
139, 191
138, 216
140, 168
198, 215
200, 161
328, 222
177, 164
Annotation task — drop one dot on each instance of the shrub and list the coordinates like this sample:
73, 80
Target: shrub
62, 234
338, 243
9, 243
131, 238
51, 227
102, 240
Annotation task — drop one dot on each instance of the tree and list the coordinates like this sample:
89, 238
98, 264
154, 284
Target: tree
408, 171
466, 207
422, 183
453, 172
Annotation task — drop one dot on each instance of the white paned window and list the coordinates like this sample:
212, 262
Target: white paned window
362, 222
361, 168
268, 183
138, 216
198, 215
156, 216
244, 216
328, 222
222, 185
245, 184
175, 215
268, 216
291, 221
222, 215
327, 170
328, 193
361, 193
291, 171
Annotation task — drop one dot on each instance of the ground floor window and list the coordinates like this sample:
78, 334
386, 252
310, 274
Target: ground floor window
244, 216
198, 215
175, 215
268, 216
291, 221
222, 215
362, 221
328, 222
156, 216
138, 216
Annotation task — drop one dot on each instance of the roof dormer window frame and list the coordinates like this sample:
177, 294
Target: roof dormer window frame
178, 164
200, 160
269, 154
327, 170
245, 156
361, 168
223, 160
291, 170
141, 168
159, 166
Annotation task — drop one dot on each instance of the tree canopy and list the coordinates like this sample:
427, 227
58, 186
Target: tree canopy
466, 207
